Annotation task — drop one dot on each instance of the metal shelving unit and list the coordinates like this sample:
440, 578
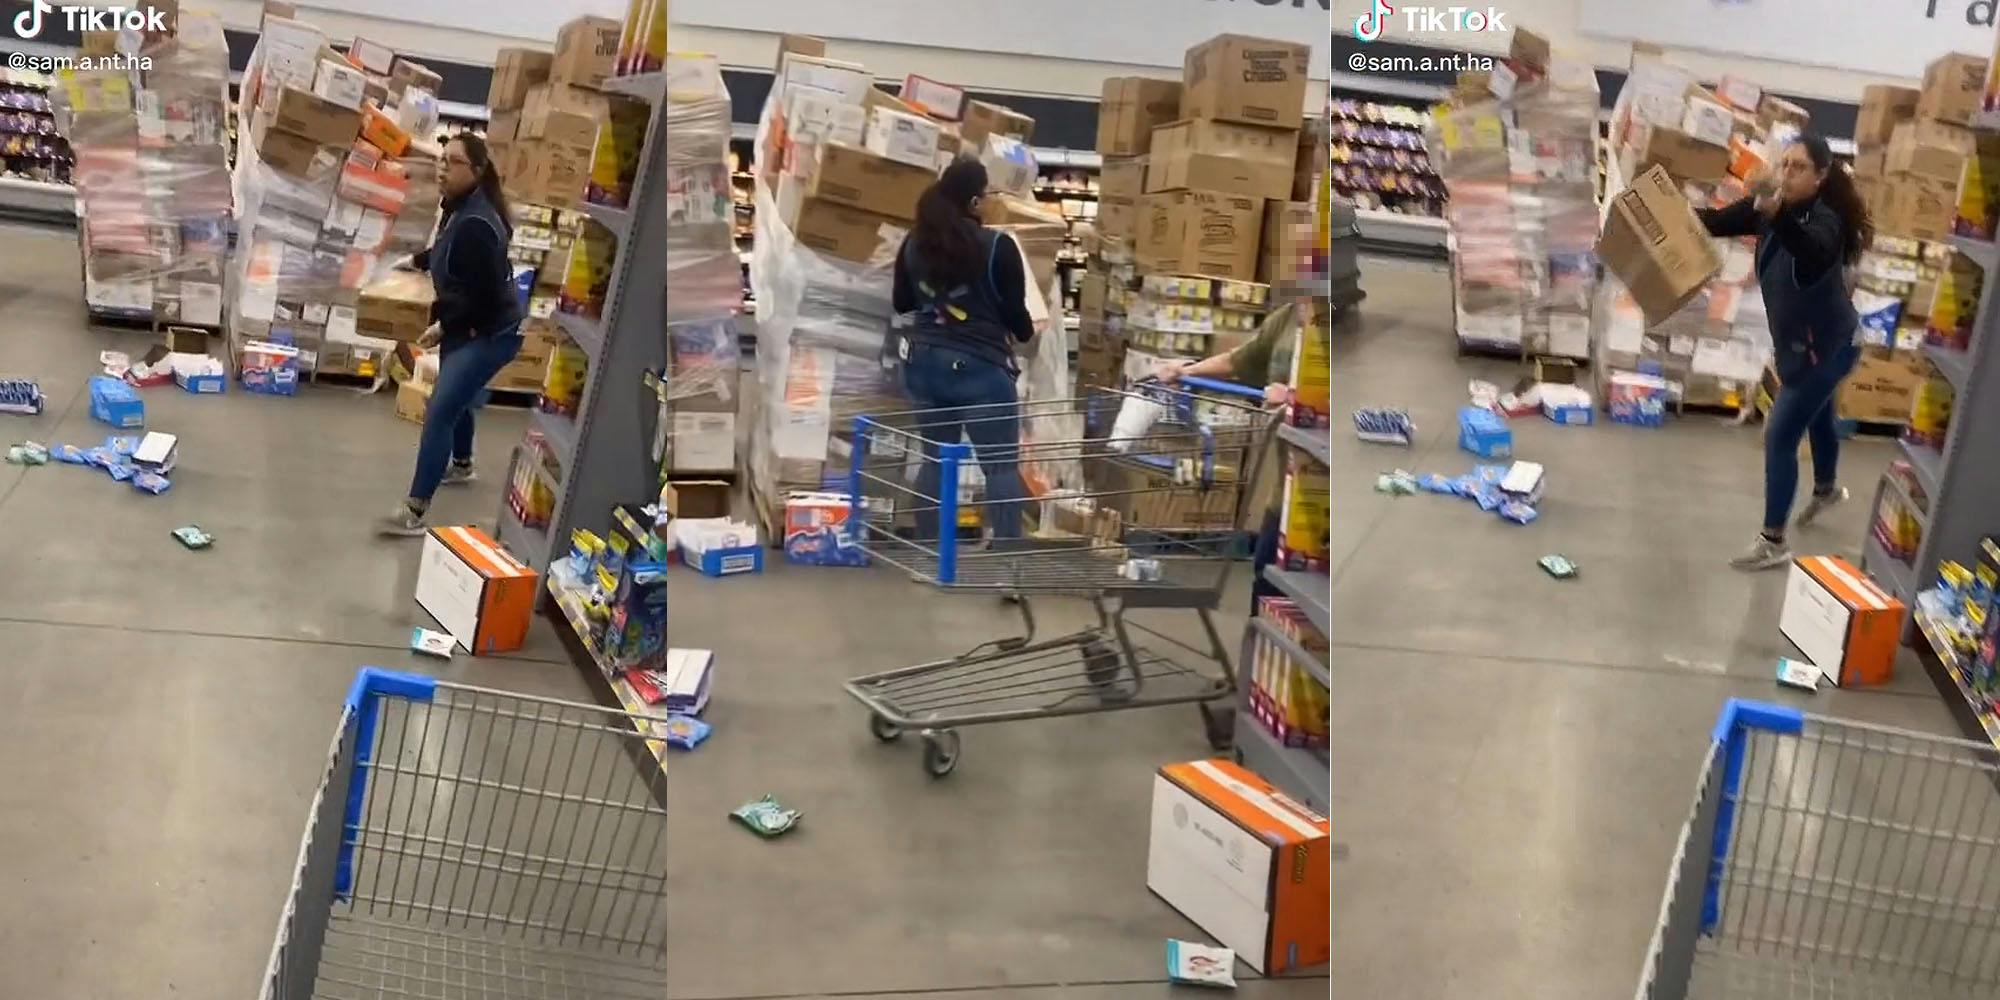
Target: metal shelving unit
603, 450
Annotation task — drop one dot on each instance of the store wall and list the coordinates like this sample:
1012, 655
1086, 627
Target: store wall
1840, 46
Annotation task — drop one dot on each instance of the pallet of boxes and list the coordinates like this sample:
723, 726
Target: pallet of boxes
1131, 108
1696, 333
1915, 157
704, 279
336, 181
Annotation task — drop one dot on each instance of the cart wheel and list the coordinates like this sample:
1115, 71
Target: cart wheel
884, 730
940, 751
1101, 665
1219, 724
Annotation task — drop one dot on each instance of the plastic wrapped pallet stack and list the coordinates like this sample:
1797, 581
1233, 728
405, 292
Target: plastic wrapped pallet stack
704, 278
152, 174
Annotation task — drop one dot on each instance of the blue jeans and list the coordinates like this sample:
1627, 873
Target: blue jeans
1803, 410
462, 375
966, 396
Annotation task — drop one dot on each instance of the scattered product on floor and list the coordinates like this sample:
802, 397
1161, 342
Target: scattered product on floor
432, 643
114, 402
1558, 566
1397, 483
682, 686
718, 546
1200, 964
765, 817
1384, 426
1798, 674
1567, 404
1484, 433
156, 453
21, 395
684, 732
479, 592
28, 453
1844, 624
816, 531
193, 537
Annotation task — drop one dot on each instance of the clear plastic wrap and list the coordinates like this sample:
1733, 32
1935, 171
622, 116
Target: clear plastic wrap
704, 273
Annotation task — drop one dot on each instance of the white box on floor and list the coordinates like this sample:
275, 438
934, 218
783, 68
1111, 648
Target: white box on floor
475, 589
1244, 862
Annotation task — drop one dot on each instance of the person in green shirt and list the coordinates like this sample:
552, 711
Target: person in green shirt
1265, 358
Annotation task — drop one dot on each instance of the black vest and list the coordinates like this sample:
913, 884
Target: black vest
1809, 323
965, 317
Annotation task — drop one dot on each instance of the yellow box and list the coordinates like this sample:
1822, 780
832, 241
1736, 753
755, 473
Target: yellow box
1307, 518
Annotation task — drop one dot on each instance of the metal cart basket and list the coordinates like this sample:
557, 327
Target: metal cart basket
1137, 502
468, 844
1833, 861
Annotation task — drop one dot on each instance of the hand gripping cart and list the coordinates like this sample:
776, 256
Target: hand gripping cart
1137, 501
1833, 861
468, 844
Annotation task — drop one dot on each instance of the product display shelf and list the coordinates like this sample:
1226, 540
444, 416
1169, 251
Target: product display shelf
565, 598
1962, 481
1314, 441
1310, 591
603, 449
42, 203
1298, 772
1954, 683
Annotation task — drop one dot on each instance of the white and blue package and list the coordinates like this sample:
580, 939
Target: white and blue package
151, 482
68, 454
1466, 486
685, 732
1380, 426
1431, 482
120, 471
1518, 512
1880, 315
1490, 498
122, 445
103, 458
1484, 433
114, 402
21, 395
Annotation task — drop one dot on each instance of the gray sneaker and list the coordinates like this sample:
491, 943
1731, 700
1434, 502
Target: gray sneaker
456, 474
404, 523
1763, 554
1817, 505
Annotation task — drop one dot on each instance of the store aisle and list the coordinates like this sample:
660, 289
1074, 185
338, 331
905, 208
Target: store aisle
1514, 756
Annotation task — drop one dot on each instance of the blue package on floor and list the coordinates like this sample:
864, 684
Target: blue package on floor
116, 403
1484, 433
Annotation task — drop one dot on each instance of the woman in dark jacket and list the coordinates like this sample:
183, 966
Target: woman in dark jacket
968, 289
1810, 227
476, 323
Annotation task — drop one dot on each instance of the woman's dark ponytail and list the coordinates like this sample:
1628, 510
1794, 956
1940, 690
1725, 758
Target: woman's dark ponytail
946, 236
1837, 191
481, 159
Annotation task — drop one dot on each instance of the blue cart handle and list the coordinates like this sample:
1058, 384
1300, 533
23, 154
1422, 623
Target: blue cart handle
1218, 385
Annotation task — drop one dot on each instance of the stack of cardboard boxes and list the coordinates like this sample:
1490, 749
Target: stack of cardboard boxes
546, 110
704, 282
335, 180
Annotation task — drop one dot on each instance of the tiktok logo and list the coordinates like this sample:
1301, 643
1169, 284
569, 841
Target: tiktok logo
28, 23
1368, 27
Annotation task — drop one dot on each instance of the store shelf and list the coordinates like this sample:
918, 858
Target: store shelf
650, 87
1421, 233
617, 220
1309, 590
1955, 365
1299, 654
563, 595
530, 545
1314, 441
1302, 774
1959, 671
1982, 252
587, 332
1928, 463
1920, 511
1889, 571
560, 432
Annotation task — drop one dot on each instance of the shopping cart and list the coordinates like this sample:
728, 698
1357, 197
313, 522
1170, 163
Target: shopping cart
1833, 861
468, 844
1137, 502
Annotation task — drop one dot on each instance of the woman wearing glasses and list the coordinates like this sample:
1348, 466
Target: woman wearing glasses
475, 322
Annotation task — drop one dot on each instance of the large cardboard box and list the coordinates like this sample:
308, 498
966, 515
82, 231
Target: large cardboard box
476, 590
1132, 107
1684, 156
1883, 107
702, 442
1238, 78
1932, 149
543, 99
983, 119
397, 307
835, 229
294, 154
1918, 207
1222, 156
586, 51
310, 116
1841, 621
551, 125
851, 176
1200, 232
514, 73
1246, 863
552, 173
1883, 386
1954, 88
1655, 245
1120, 184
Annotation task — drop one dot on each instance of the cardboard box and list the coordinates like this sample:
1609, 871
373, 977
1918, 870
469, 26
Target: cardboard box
310, 116
1684, 156
1200, 232
1655, 245
697, 498
1132, 107
586, 52
406, 73
397, 307
294, 154
1708, 121
548, 98
1930, 149
1120, 184
1246, 863
702, 442
413, 398
1260, 81
1883, 108
504, 127
834, 229
1870, 164
1742, 94
374, 57
514, 72
1918, 207
905, 138
938, 100
1782, 119
1883, 386
857, 178
805, 45
475, 589
554, 173
1954, 88
1530, 50
1841, 621
552, 125
983, 119
1222, 156
341, 83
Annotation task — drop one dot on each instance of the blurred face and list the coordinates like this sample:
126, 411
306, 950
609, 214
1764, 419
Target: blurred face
459, 175
1798, 179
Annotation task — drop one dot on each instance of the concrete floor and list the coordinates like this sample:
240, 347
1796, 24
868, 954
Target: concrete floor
165, 718
1514, 756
